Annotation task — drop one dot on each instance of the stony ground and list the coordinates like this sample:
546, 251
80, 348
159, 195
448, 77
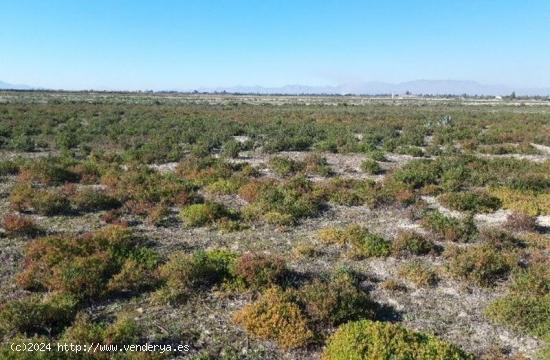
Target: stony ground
450, 309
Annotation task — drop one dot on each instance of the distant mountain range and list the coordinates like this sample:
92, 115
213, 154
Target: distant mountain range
426, 87
6, 86
417, 87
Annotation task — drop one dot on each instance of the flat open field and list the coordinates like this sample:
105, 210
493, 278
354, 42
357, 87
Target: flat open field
274, 227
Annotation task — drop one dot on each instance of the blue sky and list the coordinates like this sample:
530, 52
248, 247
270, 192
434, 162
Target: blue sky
185, 44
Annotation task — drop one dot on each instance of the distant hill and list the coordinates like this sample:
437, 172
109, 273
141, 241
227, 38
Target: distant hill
416, 87
426, 87
7, 86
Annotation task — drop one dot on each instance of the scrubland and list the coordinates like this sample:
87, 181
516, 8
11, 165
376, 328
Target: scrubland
311, 228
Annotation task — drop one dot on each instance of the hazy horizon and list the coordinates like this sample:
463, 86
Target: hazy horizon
125, 45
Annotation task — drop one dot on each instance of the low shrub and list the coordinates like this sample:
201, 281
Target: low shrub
377, 155
284, 166
79, 265
317, 165
50, 202
520, 222
360, 241
417, 174
376, 340
370, 245
145, 185
184, 273
93, 200
371, 167
260, 270
18, 225
275, 316
125, 330
341, 235
470, 201
226, 186
351, 192
534, 280
448, 228
420, 273
157, 215
523, 313
204, 214
285, 203
481, 265
8, 167
231, 149
335, 300
305, 250
392, 285
38, 315
410, 150
499, 239
411, 243
526, 202
137, 273
47, 171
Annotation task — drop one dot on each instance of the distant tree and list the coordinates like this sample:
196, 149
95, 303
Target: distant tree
513, 95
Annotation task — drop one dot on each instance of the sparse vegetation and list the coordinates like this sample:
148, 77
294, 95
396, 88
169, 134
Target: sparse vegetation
118, 210
372, 340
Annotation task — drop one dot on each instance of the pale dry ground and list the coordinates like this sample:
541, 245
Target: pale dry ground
451, 310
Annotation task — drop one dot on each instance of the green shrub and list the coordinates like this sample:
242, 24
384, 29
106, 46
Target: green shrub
377, 155
371, 167
93, 200
284, 203
370, 245
335, 300
203, 214
124, 331
137, 273
260, 270
412, 243
482, 264
523, 313
83, 330
231, 149
275, 316
419, 273
535, 280
361, 242
38, 315
376, 340
417, 174
8, 167
448, 228
50, 202
410, 150
184, 273
470, 201
317, 164
284, 166
351, 192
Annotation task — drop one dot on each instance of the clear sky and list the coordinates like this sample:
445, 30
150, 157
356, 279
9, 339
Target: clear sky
185, 44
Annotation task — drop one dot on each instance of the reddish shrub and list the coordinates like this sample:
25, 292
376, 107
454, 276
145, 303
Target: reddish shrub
15, 224
260, 270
